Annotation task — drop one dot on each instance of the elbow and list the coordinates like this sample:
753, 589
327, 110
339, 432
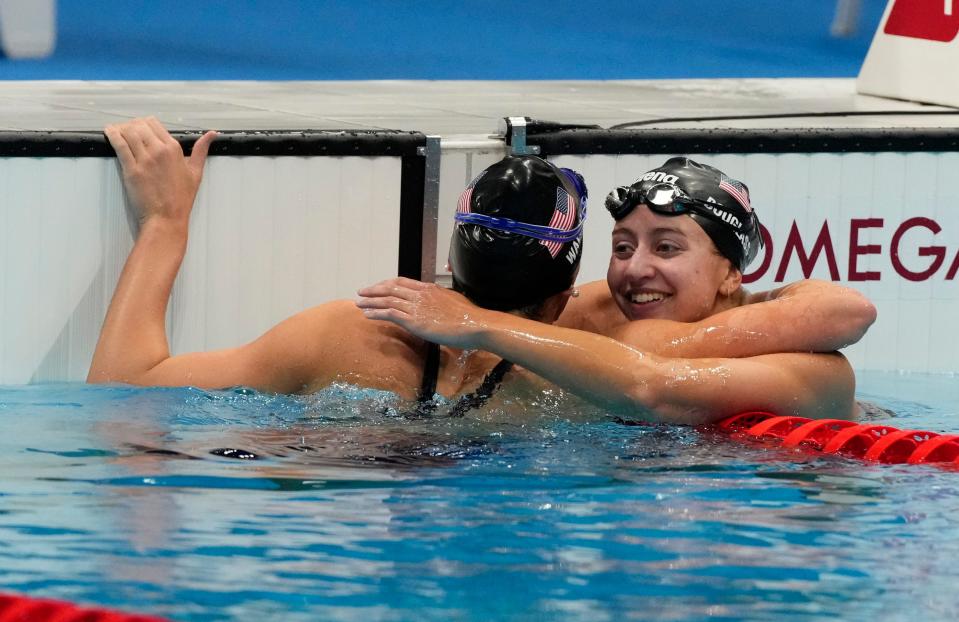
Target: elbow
96, 378
106, 376
98, 374
649, 401
650, 409
862, 315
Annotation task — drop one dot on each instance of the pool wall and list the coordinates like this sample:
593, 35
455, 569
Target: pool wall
270, 235
289, 219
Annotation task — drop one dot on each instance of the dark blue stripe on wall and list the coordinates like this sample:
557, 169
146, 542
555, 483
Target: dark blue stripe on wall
447, 39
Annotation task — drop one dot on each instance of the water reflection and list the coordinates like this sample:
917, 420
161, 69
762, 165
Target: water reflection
333, 507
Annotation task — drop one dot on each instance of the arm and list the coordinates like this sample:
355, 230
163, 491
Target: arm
805, 316
619, 377
161, 186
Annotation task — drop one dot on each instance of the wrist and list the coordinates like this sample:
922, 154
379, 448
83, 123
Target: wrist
164, 226
486, 328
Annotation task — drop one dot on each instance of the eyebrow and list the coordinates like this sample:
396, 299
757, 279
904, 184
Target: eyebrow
656, 231
664, 230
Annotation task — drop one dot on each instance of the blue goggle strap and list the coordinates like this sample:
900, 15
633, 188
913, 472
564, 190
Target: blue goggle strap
577, 180
538, 232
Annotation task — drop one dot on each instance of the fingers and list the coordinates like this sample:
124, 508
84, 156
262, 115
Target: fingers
146, 134
132, 140
120, 146
376, 309
386, 302
387, 315
158, 180
401, 287
200, 150
413, 283
158, 131
139, 137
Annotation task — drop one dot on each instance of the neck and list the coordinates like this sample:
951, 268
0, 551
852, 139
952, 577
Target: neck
462, 370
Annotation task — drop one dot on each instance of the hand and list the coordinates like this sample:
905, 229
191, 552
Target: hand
428, 311
160, 182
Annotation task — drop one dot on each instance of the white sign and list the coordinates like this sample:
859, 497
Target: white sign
915, 53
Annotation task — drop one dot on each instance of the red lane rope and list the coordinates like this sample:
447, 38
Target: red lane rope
856, 440
876, 443
816, 433
25, 609
944, 448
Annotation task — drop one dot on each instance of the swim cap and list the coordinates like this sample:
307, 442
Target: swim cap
719, 204
518, 237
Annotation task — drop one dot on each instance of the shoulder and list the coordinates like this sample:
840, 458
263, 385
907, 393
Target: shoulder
335, 341
594, 310
341, 325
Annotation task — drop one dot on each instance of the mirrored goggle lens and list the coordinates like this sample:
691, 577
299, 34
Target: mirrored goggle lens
665, 199
618, 202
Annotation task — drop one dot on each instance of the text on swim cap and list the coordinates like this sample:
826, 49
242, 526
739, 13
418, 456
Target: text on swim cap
660, 176
722, 214
573, 251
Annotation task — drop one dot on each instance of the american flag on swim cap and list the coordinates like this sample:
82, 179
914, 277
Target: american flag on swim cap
563, 217
736, 190
463, 205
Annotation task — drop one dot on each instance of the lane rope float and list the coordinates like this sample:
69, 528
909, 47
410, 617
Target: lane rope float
868, 441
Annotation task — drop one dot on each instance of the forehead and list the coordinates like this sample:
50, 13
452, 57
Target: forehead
643, 222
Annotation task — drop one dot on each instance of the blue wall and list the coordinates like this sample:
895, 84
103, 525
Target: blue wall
447, 39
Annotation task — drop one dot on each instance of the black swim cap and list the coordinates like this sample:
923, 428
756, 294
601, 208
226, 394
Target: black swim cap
518, 236
720, 205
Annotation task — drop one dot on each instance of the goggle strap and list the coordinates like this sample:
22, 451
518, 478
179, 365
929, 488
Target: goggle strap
538, 232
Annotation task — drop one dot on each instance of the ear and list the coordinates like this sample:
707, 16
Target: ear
554, 305
732, 281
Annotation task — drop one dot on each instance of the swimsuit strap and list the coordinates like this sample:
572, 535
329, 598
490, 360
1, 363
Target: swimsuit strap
431, 373
478, 397
426, 405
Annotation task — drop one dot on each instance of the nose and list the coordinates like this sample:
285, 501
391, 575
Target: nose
641, 265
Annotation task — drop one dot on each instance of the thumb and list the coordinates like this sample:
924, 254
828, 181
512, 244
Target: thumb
200, 150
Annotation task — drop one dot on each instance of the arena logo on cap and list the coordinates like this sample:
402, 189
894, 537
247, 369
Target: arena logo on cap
932, 20
660, 176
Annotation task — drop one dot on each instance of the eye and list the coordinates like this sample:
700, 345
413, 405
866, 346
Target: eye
622, 250
665, 247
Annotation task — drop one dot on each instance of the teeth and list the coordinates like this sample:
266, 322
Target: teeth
643, 298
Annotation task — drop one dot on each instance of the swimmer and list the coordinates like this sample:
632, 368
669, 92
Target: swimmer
672, 336
517, 250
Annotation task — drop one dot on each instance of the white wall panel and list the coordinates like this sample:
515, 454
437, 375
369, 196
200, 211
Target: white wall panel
457, 169
272, 236
916, 326
269, 237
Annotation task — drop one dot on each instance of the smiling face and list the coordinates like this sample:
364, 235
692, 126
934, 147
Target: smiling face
666, 267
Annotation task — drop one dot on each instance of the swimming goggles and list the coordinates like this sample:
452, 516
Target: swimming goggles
537, 232
661, 197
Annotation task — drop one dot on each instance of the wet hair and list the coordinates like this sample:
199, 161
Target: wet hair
518, 237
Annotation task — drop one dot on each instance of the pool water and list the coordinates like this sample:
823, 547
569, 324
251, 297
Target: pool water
235, 505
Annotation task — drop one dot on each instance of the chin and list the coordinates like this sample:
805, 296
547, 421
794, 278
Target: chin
649, 311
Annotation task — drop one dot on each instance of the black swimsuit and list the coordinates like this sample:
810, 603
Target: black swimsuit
425, 404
